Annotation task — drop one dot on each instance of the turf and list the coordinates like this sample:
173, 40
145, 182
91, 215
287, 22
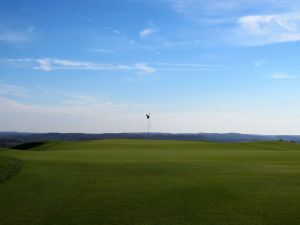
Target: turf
8, 166
136, 182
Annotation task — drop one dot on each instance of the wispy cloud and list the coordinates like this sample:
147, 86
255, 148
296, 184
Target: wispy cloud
144, 68
147, 32
215, 9
53, 64
44, 64
269, 29
50, 64
80, 99
282, 76
15, 37
68, 102
246, 23
166, 66
105, 116
9, 105
13, 90
102, 50
120, 34
119, 118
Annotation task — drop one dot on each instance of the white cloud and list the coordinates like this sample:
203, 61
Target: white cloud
71, 64
44, 64
147, 32
15, 37
244, 23
268, 29
282, 76
220, 11
51, 64
143, 68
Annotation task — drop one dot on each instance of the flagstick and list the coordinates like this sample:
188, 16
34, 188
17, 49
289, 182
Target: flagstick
149, 129
148, 116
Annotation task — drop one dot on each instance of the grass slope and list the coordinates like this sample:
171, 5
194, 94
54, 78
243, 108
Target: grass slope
136, 182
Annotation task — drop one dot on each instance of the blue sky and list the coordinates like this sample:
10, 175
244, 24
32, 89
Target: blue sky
197, 66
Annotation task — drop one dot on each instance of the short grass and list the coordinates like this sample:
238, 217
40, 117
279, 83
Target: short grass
8, 166
136, 182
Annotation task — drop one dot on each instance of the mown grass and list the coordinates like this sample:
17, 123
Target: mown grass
136, 182
8, 166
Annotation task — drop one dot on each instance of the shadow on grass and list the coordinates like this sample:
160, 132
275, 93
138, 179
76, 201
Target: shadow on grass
28, 146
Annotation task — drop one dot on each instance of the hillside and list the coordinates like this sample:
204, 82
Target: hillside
9, 139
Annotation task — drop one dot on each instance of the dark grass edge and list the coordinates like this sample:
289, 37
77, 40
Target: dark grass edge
29, 145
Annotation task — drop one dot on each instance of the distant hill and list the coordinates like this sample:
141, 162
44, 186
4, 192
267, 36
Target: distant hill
9, 139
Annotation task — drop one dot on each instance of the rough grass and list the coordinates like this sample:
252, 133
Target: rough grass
8, 166
135, 182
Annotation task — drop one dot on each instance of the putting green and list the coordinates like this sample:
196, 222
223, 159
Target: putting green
136, 182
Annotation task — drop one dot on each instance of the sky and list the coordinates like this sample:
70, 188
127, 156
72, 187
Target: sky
99, 66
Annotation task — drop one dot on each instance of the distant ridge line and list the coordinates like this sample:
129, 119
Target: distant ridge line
8, 139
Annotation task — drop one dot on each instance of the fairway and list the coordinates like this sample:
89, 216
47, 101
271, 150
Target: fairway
137, 182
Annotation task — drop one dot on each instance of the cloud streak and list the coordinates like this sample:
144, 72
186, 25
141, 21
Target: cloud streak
101, 50
13, 90
214, 9
73, 107
52, 64
282, 76
166, 66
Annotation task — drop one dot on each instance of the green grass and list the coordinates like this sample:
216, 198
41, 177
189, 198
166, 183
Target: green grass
136, 182
8, 166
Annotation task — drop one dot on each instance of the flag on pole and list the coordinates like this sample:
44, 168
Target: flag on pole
148, 118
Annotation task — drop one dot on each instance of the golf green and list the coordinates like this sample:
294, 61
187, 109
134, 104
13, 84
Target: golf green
139, 182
